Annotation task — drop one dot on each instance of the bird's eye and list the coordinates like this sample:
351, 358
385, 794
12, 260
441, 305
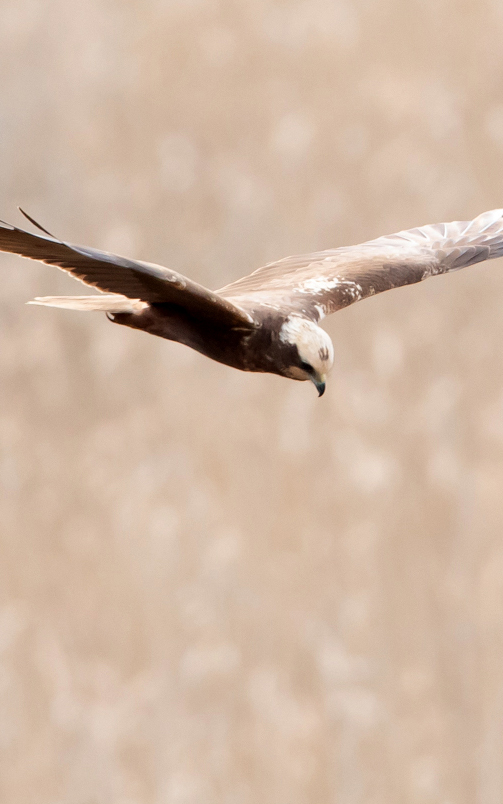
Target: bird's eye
306, 367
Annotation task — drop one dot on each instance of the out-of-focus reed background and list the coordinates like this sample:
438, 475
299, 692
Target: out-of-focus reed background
214, 587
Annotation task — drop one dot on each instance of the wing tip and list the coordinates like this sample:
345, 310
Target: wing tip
35, 223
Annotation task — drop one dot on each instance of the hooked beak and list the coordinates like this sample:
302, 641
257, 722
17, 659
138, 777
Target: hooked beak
320, 382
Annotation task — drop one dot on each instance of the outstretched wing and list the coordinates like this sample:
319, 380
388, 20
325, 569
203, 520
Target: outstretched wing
315, 285
131, 278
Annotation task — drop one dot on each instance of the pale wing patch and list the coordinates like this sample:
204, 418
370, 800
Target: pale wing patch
318, 284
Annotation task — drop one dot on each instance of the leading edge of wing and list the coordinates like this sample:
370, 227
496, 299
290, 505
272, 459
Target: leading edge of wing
112, 273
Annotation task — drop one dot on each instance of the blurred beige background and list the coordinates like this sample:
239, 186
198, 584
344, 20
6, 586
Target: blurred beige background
216, 588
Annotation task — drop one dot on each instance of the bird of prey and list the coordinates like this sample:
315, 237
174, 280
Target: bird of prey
266, 321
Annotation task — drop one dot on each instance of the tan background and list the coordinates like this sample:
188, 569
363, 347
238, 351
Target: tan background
216, 588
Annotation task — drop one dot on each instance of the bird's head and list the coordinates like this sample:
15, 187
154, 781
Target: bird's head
313, 355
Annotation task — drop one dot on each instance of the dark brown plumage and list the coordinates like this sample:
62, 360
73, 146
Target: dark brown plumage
267, 321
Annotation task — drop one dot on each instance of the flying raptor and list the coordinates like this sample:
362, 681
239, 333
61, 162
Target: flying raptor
267, 321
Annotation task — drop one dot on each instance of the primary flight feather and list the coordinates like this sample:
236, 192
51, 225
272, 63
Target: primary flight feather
267, 321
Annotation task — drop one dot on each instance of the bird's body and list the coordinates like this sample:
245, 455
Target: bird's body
245, 348
267, 321
259, 348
